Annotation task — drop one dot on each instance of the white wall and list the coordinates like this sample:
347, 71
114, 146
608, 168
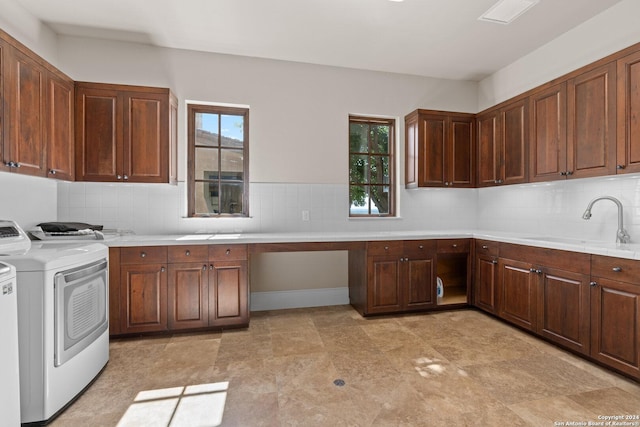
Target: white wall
27, 200
604, 34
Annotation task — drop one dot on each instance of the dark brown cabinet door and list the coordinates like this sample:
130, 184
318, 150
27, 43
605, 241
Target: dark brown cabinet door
615, 325
628, 114
591, 123
59, 119
460, 156
228, 294
99, 154
432, 150
548, 137
563, 309
146, 138
488, 130
518, 292
4, 129
485, 292
24, 91
188, 296
384, 293
514, 144
419, 283
143, 293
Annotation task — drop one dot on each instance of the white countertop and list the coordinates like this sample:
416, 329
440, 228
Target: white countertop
629, 251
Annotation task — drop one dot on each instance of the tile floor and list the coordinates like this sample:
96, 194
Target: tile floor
458, 368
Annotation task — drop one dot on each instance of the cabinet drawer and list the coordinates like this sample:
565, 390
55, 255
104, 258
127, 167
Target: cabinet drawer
487, 247
453, 245
417, 247
227, 252
384, 247
143, 254
620, 269
194, 253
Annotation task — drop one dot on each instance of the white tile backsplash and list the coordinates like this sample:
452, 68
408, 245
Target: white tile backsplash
540, 208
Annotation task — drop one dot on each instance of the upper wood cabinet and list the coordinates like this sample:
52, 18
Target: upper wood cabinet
628, 113
503, 135
439, 149
24, 93
548, 134
59, 131
125, 133
591, 123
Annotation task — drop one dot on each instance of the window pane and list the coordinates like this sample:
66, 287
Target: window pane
206, 129
206, 198
379, 169
231, 198
379, 199
380, 139
232, 131
358, 138
358, 168
206, 163
232, 164
358, 200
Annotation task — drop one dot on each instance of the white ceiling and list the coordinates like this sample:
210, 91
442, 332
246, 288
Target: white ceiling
437, 38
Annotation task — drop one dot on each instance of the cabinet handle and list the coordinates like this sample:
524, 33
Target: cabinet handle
617, 269
563, 173
569, 173
535, 270
162, 269
187, 253
228, 251
52, 172
455, 245
446, 184
204, 267
118, 177
620, 167
210, 266
493, 261
126, 177
16, 165
593, 283
143, 254
485, 247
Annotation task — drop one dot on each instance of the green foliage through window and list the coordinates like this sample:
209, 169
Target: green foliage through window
371, 142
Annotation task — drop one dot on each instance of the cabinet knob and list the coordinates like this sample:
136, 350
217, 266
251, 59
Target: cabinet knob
455, 245
617, 269
228, 251
143, 254
494, 261
16, 165
563, 173
593, 283
620, 167
52, 172
485, 247
204, 268
569, 173
187, 252
210, 266
386, 248
421, 246
126, 177
446, 184
162, 269
118, 176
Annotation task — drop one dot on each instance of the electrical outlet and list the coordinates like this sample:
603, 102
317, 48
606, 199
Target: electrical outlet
305, 215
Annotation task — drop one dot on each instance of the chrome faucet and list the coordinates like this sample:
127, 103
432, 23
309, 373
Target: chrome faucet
621, 235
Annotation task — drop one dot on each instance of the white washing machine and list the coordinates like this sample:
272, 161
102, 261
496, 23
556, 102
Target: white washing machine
9, 368
13, 241
63, 324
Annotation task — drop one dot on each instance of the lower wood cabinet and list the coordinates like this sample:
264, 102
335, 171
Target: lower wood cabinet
486, 276
518, 289
615, 313
160, 288
400, 276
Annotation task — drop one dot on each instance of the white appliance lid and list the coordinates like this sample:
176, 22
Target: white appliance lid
42, 257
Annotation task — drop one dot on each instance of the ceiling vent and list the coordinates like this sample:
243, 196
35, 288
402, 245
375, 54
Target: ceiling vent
506, 11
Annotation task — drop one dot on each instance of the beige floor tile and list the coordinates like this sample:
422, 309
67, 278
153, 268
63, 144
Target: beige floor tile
453, 368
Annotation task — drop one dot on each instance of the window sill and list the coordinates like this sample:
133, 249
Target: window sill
374, 218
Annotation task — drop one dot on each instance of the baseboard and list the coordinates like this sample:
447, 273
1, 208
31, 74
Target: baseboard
277, 300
